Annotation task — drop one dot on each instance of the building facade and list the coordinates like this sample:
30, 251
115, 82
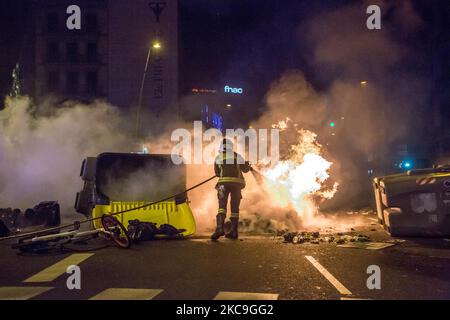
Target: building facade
105, 58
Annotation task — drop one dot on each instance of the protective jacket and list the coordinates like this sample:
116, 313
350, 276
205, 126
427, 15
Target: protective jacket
229, 167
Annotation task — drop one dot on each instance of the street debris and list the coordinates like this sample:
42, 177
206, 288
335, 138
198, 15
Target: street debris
145, 231
46, 214
4, 231
316, 238
54, 240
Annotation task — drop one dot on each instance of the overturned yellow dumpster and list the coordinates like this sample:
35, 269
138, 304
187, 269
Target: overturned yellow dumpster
117, 182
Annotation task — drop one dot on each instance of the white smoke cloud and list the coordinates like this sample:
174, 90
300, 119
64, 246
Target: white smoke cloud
40, 155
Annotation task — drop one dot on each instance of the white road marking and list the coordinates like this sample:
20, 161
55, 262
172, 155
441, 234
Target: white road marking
226, 295
21, 293
51, 273
367, 245
335, 282
127, 294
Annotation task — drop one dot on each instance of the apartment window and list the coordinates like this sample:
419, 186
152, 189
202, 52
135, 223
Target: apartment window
91, 52
92, 22
53, 52
73, 82
51, 22
92, 82
52, 81
72, 52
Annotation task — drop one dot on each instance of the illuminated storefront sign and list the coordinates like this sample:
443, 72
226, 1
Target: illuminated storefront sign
203, 90
228, 89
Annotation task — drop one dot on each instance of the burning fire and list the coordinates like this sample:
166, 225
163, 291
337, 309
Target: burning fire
298, 181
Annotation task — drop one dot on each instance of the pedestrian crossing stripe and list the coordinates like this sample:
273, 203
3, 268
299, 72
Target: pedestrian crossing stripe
127, 294
51, 273
21, 293
227, 295
335, 282
25, 293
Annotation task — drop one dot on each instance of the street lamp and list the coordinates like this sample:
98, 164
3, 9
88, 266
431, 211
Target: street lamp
155, 46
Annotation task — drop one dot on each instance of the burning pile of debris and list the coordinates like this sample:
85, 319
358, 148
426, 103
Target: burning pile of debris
317, 238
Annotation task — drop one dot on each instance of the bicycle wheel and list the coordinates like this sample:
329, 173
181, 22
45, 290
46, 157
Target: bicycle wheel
117, 230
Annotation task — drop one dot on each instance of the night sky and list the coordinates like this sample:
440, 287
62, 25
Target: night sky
12, 28
248, 42
255, 41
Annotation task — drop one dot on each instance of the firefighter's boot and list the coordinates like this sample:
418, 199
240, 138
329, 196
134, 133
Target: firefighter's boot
220, 218
233, 234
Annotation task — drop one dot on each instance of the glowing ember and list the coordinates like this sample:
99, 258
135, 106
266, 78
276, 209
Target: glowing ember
298, 181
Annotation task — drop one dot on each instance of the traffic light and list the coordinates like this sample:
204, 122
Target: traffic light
332, 124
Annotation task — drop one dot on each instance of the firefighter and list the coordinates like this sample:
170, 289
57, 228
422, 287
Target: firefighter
229, 167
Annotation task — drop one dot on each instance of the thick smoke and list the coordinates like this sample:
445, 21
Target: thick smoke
41, 149
372, 96
365, 89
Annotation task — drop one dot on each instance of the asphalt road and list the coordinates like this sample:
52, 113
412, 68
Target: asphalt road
262, 266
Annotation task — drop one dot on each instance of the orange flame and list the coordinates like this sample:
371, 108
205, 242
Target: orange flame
298, 182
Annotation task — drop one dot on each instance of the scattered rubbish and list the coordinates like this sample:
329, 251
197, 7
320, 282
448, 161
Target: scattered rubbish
289, 236
145, 231
4, 231
329, 239
46, 214
317, 238
395, 241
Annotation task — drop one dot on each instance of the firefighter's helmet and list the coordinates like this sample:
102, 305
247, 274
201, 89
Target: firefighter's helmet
226, 145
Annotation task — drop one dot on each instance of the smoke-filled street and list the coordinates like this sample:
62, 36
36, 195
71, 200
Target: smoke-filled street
232, 157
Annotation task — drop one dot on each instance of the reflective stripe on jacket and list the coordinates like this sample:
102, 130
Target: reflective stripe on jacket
229, 171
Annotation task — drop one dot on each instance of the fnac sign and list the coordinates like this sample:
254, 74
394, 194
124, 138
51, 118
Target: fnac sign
228, 89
